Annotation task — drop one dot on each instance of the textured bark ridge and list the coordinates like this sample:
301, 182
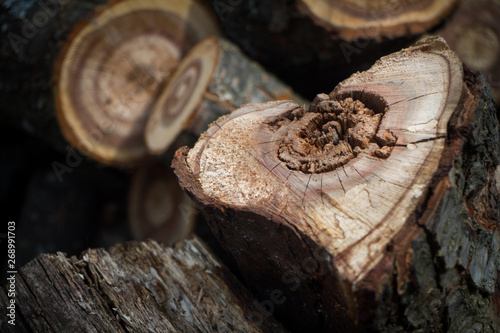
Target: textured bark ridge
137, 287
374, 209
214, 79
474, 33
157, 207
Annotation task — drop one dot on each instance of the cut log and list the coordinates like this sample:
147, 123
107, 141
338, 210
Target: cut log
106, 63
158, 208
351, 20
312, 43
214, 79
375, 209
474, 33
111, 70
137, 287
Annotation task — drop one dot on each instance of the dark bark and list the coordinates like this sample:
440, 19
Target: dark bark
139, 287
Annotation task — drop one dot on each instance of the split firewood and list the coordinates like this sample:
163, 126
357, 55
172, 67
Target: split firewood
214, 79
99, 65
136, 287
158, 209
374, 209
325, 39
474, 33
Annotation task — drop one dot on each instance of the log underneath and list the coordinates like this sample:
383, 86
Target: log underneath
376, 209
137, 287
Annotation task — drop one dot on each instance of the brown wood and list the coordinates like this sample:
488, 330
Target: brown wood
214, 79
158, 209
474, 33
374, 209
313, 44
351, 20
100, 63
111, 70
136, 287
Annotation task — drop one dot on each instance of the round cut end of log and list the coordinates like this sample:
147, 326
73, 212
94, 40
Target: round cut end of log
183, 94
351, 169
353, 20
478, 46
112, 67
474, 33
158, 208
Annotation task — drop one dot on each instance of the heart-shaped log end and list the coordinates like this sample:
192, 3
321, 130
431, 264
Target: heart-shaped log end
341, 191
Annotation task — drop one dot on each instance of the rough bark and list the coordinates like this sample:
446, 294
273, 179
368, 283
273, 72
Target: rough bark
311, 51
100, 66
213, 80
158, 209
137, 287
376, 209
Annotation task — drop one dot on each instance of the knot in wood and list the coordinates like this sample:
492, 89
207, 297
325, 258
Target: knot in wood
332, 133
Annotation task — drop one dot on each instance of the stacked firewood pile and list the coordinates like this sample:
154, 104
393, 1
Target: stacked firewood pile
250, 166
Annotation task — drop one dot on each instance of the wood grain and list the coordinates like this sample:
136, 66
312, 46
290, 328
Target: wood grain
214, 79
376, 19
355, 193
110, 71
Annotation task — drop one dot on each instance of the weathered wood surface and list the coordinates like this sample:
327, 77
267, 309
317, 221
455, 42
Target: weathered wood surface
375, 209
136, 287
